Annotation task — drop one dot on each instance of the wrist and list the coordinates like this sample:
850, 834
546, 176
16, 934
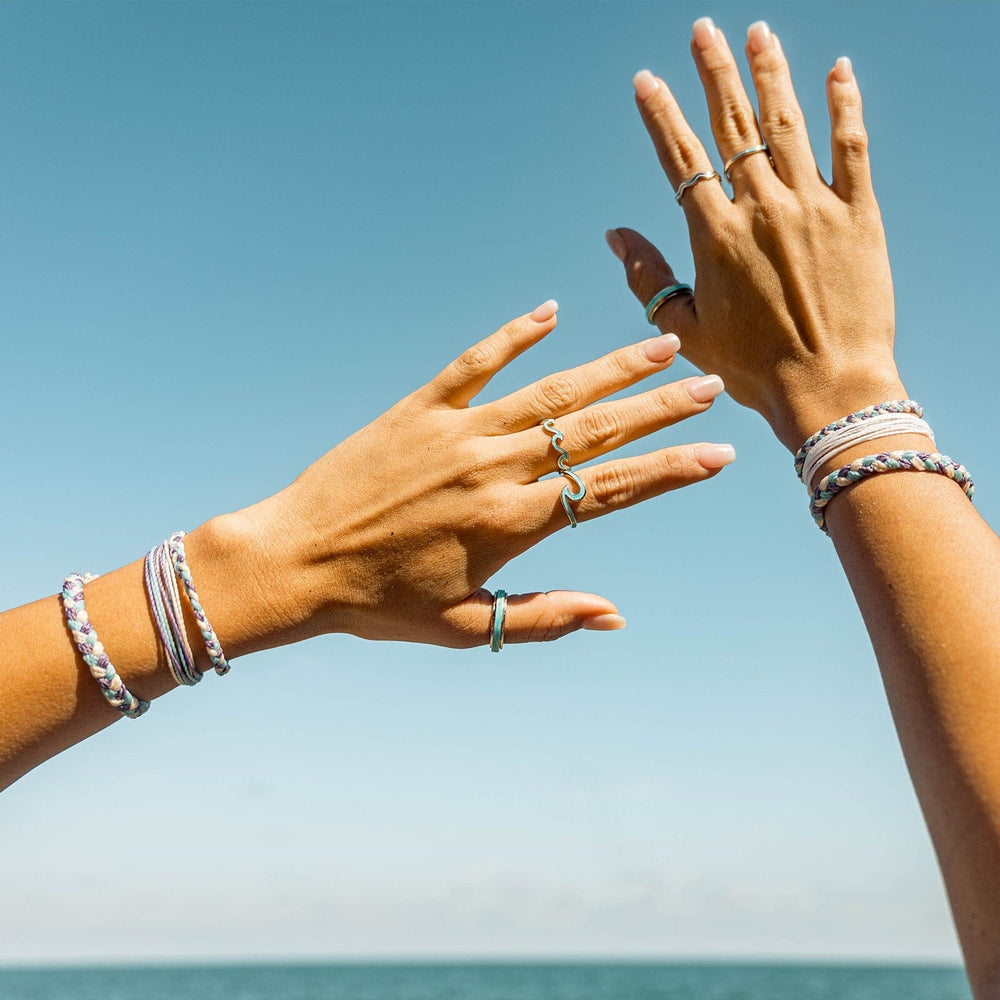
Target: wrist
812, 402
249, 584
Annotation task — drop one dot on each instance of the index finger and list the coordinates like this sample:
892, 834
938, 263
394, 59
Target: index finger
679, 150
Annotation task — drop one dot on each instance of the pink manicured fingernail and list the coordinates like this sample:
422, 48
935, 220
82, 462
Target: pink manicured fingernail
759, 36
616, 243
603, 623
545, 311
705, 33
660, 349
645, 84
843, 70
704, 390
715, 456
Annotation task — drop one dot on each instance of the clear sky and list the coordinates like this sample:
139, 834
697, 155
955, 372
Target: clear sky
231, 235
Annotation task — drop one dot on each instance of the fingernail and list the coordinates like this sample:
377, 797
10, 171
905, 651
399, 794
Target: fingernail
603, 623
616, 243
715, 456
660, 349
645, 84
704, 390
545, 311
843, 71
705, 33
759, 37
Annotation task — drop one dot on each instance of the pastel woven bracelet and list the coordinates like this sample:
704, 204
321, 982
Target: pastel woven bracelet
881, 425
175, 546
168, 615
893, 406
886, 461
91, 649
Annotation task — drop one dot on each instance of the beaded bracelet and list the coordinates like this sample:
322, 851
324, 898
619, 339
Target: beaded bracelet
886, 461
893, 406
85, 638
175, 546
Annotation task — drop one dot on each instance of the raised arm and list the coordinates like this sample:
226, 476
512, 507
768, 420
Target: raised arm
391, 535
793, 305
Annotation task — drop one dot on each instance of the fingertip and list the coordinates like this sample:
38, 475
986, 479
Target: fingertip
843, 70
603, 623
715, 456
545, 312
616, 242
645, 84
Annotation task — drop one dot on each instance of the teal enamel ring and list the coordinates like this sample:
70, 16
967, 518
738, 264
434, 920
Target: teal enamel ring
662, 296
499, 619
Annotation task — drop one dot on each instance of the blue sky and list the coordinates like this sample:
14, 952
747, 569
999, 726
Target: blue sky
234, 233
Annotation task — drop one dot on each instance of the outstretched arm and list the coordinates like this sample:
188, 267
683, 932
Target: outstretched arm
794, 307
391, 535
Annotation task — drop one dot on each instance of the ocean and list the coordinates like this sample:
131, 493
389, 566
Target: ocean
489, 981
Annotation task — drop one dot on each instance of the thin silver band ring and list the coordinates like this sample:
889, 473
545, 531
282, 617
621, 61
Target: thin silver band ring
762, 148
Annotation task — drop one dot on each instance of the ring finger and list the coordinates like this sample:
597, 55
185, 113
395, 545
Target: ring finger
601, 428
622, 483
734, 123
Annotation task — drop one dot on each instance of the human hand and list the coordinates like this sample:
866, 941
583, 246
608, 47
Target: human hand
793, 302
392, 534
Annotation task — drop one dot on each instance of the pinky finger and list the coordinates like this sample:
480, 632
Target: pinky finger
534, 617
851, 168
627, 481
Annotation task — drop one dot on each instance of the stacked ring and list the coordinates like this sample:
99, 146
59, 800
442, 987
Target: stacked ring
662, 296
498, 620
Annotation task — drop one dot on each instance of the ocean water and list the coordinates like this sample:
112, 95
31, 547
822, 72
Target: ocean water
489, 981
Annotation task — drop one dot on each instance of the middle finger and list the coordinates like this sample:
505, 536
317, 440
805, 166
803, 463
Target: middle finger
603, 427
734, 123
565, 392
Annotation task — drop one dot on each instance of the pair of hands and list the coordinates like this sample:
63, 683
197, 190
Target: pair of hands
392, 534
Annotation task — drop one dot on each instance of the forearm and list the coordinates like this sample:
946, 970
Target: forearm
51, 702
925, 569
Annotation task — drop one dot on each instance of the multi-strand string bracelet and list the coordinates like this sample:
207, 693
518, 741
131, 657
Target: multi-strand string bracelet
902, 416
164, 566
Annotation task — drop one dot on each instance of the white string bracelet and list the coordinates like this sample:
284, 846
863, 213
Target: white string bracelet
881, 425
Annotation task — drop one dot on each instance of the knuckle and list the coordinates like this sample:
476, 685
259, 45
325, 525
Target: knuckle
476, 360
683, 152
735, 120
614, 486
557, 392
597, 427
781, 121
851, 139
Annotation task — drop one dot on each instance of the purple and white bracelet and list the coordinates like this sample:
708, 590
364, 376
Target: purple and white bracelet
92, 650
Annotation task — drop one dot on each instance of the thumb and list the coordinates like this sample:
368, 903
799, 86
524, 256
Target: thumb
534, 617
648, 273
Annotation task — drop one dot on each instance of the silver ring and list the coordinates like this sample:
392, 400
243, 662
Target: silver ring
498, 620
705, 175
762, 148
574, 493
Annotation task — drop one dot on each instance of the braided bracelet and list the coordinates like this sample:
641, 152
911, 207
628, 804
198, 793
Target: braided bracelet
886, 461
175, 546
85, 638
893, 406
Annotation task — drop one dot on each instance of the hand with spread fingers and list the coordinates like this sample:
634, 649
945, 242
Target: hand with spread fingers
793, 305
391, 535
793, 301
443, 493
